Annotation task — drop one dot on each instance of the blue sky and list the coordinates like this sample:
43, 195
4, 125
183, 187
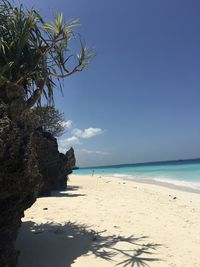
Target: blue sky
140, 98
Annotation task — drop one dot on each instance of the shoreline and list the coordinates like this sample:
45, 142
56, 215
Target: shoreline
147, 181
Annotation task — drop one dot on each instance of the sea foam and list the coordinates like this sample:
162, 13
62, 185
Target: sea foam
192, 185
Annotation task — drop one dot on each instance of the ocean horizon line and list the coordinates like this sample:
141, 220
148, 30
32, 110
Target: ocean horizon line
178, 161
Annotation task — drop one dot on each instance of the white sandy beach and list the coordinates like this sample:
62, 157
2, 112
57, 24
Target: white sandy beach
111, 222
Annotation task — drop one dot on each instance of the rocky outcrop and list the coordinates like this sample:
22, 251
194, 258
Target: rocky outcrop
71, 160
54, 166
29, 164
20, 179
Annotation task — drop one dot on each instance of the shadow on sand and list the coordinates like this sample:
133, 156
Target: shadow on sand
59, 245
65, 194
73, 187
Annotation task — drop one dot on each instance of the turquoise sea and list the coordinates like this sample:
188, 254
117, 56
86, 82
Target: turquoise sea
184, 173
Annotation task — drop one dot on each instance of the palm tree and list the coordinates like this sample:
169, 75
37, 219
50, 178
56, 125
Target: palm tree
33, 54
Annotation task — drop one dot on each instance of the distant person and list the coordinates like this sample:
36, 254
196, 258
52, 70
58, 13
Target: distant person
92, 172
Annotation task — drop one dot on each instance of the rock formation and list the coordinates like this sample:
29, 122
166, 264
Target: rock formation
54, 166
20, 179
29, 164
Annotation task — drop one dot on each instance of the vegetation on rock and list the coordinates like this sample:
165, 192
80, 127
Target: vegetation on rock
50, 119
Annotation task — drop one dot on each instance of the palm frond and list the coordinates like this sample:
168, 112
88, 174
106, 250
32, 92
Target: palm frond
34, 53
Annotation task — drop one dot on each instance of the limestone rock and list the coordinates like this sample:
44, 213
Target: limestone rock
20, 180
30, 164
53, 165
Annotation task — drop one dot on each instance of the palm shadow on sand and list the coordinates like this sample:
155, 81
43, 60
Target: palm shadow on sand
56, 245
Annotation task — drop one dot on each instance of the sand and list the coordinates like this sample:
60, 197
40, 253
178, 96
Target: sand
112, 222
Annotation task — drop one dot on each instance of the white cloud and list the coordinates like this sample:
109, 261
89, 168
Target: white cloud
63, 144
72, 140
87, 133
67, 124
93, 152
